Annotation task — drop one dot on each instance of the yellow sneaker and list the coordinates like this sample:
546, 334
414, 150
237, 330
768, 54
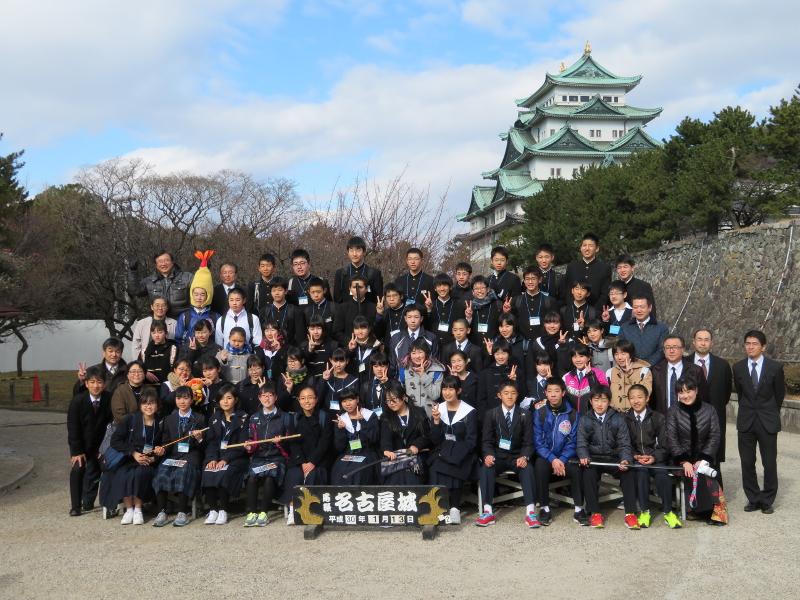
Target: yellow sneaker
644, 519
672, 520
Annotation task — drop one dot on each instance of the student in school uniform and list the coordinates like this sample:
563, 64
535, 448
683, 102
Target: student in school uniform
415, 281
272, 351
500, 370
297, 290
553, 340
372, 393
589, 269
719, 380
644, 331
462, 290
462, 343
618, 311
373, 278
389, 313
141, 329
228, 272
538, 370
259, 293
234, 357
112, 366
507, 330
460, 367
317, 347
200, 346
290, 318
507, 445
421, 375
760, 388
126, 397
552, 283
555, 434
628, 370
180, 375
224, 468
335, 381
87, 417
603, 437
626, 267
400, 343
237, 316
355, 305
576, 313
667, 372
138, 438
442, 310
212, 382
319, 307
247, 388
293, 380
159, 355
310, 464
483, 311
582, 379
531, 305
454, 437
404, 427
268, 461
356, 440
179, 472
360, 347
504, 283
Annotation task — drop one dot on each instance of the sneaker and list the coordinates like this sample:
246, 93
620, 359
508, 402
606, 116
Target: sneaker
161, 519
597, 521
631, 521
621, 505
672, 520
127, 518
180, 520
580, 518
545, 518
263, 519
290, 517
250, 520
138, 517
211, 519
532, 521
485, 519
455, 516
222, 518
644, 519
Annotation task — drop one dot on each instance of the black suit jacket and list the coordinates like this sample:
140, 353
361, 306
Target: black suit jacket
658, 400
639, 287
219, 299
343, 276
596, 273
85, 427
720, 386
521, 434
762, 404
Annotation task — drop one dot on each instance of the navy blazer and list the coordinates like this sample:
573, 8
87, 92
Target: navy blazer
762, 404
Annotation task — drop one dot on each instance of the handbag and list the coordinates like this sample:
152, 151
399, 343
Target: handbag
109, 457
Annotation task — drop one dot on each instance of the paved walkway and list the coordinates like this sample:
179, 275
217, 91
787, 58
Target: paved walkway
46, 553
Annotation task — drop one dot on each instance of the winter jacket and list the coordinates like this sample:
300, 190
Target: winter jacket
606, 441
621, 381
555, 432
174, 288
423, 390
648, 436
693, 432
648, 343
578, 389
188, 319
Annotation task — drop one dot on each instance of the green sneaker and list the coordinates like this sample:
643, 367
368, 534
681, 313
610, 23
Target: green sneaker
672, 520
250, 520
644, 519
263, 519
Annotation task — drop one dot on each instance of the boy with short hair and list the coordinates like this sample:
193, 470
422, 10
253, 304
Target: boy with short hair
531, 305
443, 310
504, 283
415, 281
603, 437
619, 312
577, 313
552, 283
259, 293
87, 417
288, 316
319, 306
237, 316
356, 251
461, 341
462, 290
356, 305
626, 267
389, 313
297, 289
483, 312
507, 446
400, 343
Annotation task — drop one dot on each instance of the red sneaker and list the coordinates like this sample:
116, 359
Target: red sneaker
631, 521
485, 519
597, 521
532, 521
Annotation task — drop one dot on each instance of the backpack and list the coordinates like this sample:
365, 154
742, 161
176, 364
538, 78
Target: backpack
249, 326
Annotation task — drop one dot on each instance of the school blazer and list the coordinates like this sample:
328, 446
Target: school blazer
475, 355
494, 427
661, 374
343, 277
85, 428
762, 404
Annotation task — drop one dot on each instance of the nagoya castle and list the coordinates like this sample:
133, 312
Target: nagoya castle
577, 118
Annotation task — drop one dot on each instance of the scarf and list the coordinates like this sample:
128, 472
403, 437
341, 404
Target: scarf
236, 351
491, 296
298, 375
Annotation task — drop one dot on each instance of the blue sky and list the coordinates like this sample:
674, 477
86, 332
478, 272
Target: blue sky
324, 91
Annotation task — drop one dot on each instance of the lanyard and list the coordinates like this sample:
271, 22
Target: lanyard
362, 356
226, 428
286, 312
538, 309
577, 311
408, 282
356, 428
488, 315
144, 433
375, 398
450, 314
302, 283
323, 305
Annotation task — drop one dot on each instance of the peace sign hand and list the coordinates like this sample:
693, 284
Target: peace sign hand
562, 338
311, 343
507, 305
468, 310
192, 344
605, 315
489, 345
351, 345
428, 302
261, 381
513, 374
287, 382
82, 371
326, 374
379, 306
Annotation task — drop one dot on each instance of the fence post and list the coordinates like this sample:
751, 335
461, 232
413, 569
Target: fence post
47, 394
11, 393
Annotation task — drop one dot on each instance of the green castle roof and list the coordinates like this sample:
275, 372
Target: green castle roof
586, 72
596, 107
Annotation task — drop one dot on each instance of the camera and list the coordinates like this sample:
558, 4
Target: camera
705, 469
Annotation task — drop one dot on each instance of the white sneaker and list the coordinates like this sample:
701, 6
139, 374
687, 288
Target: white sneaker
290, 517
222, 518
127, 518
455, 516
211, 519
138, 517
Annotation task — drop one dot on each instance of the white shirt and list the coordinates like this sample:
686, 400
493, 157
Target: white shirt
619, 312
706, 358
413, 334
640, 323
507, 412
641, 415
602, 417
233, 320
759, 365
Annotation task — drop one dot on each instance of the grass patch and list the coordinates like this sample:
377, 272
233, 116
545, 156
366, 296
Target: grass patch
56, 389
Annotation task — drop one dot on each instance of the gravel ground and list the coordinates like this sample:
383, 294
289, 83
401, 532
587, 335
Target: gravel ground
45, 553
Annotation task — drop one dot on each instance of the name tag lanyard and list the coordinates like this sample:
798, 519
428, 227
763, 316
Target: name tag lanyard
416, 290
152, 437
449, 315
538, 308
285, 312
485, 324
322, 306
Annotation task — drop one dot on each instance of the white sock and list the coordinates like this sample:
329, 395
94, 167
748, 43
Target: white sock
137, 509
545, 509
531, 508
578, 508
487, 508
129, 510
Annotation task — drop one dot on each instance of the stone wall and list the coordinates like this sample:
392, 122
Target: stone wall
730, 283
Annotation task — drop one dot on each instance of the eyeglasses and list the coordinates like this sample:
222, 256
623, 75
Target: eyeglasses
673, 347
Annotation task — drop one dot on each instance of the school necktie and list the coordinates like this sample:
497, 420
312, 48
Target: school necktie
413, 336
673, 385
95, 405
508, 421
754, 375
541, 388
641, 326
580, 378
703, 364
639, 419
112, 370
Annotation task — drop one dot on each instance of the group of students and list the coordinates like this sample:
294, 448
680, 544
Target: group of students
424, 380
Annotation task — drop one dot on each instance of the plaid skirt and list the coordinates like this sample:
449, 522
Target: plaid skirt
177, 479
277, 473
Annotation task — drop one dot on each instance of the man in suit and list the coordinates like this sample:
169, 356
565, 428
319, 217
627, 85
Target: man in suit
669, 371
112, 366
645, 332
626, 267
760, 387
589, 269
219, 297
718, 378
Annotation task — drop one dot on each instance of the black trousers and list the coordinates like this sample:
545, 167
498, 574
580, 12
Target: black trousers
663, 487
181, 502
768, 446
217, 498
83, 483
544, 475
270, 490
591, 485
489, 474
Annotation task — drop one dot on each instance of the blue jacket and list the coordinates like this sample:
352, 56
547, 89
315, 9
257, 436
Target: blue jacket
648, 343
186, 322
555, 435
